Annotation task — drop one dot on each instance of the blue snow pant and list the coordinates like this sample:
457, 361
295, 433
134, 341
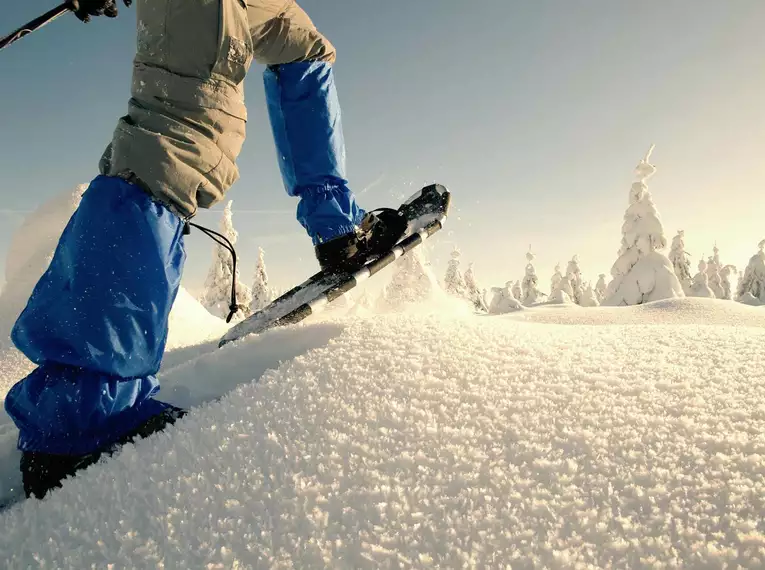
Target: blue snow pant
305, 119
96, 323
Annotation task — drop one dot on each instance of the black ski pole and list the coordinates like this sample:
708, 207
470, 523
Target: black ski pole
36, 24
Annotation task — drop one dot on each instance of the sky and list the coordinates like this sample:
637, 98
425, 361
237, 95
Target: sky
534, 115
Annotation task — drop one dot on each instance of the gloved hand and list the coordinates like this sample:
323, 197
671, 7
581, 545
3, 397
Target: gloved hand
84, 9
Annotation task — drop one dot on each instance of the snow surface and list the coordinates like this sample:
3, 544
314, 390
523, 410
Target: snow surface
430, 437
442, 440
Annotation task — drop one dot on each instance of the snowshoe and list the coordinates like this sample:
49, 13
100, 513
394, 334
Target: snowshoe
42, 472
384, 236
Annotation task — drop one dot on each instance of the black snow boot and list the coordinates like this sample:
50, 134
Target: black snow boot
42, 472
379, 231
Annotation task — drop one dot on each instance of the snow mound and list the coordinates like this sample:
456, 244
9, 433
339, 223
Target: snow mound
749, 299
682, 311
191, 323
412, 441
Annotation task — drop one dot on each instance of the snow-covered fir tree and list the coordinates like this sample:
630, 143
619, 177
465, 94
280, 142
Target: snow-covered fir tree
555, 280
752, 283
642, 273
216, 296
517, 290
601, 287
713, 272
565, 287
454, 283
700, 285
574, 276
727, 286
529, 290
262, 294
413, 281
474, 292
680, 261
589, 297
503, 301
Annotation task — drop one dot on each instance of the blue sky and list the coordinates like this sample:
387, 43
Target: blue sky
533, 113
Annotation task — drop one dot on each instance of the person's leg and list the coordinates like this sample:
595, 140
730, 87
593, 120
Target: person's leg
96, 323
41, 472
305, 116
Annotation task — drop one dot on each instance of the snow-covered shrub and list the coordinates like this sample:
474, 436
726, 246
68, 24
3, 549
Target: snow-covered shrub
589, 297
574, 276
454, 283
555, 280
680, 261
503, 300
529, 290
474, 292
713, 272
601, 287
753, 280
725, 276
517, 290
700, 284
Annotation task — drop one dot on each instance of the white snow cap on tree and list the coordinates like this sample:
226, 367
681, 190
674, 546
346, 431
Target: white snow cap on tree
752, 284
680, 261
503, 301
474, 292
642, 273
600, 287
216, 297
531, 294
589, 297
454, 283
700, 285
574, 276
261, 292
